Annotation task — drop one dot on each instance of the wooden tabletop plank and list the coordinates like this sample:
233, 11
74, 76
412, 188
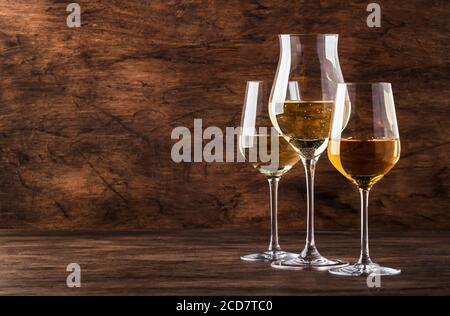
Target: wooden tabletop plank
206, 262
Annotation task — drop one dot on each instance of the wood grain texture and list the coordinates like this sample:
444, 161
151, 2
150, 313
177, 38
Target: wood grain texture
206, 262
86, 114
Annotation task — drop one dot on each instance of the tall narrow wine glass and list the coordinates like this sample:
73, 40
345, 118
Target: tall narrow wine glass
270, 154
363, 148
300, 107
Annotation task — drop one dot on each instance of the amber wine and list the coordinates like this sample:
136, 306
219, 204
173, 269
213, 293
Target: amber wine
287, 157
364, 162
306, 124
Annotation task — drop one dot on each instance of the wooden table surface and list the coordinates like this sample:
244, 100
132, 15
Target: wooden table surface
206, 262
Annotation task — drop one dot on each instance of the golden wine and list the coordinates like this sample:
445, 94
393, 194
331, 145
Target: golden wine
364, 162
306, 124
286, 157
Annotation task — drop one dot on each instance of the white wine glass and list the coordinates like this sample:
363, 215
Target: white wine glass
364, 148
270, 154
300, 106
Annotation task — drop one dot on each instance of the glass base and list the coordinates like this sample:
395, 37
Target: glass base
268, 256
311, 259
299, 263
360, 269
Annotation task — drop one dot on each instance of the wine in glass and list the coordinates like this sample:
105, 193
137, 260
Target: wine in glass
364, 148
270, 154
300, 106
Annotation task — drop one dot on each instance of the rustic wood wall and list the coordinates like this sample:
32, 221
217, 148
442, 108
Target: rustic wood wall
86, 113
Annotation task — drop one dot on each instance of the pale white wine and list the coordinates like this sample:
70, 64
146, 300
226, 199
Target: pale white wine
285, 156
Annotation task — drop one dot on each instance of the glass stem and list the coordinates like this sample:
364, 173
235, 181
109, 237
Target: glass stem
364, 258
310, 247
273, 185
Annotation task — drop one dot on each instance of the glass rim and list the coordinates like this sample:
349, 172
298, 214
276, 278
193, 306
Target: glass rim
363, 83
310, 34
259, 81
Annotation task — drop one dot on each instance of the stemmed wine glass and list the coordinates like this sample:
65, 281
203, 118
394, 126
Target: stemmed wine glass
300, 107
364, 147
269, 153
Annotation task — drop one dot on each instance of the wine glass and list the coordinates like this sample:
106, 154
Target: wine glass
269, 153
364, 148
300, 107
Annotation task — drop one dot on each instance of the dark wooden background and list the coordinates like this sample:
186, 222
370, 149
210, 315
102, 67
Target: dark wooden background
86, 114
